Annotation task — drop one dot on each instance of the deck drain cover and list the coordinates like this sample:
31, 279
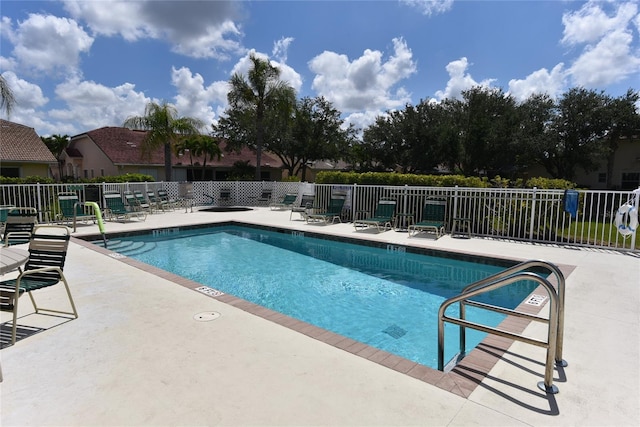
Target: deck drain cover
395, 331
206, 316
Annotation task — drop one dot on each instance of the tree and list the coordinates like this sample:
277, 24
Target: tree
7, 98
56, 144
623, 122
164, 128
534, 134
206, 146
579, 123
250, 98
487, 127
313, 132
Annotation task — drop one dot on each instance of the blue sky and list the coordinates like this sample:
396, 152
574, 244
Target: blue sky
79, 65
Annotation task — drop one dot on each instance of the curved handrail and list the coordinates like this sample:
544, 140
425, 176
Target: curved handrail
552, 330
521, 267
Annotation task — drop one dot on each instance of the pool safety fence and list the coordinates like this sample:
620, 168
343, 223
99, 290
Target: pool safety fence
533, 215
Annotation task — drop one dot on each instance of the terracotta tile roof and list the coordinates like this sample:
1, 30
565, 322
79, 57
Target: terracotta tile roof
123, 147
19, 143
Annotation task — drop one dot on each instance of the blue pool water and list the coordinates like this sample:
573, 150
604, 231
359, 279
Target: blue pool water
386, 298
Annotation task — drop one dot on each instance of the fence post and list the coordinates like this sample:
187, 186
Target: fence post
454, 214
636, 202
533, 213
354, 202
39, 198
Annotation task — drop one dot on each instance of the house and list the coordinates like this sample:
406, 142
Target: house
625, 174
112, 151
22, 152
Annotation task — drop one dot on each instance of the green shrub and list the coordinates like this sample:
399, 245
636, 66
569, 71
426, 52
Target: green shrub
392, 178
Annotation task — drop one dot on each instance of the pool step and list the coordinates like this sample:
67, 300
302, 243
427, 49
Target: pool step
128, 247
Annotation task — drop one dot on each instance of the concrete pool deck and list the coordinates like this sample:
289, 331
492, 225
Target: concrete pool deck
136, 355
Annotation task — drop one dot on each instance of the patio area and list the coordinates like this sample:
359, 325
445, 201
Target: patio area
137, 356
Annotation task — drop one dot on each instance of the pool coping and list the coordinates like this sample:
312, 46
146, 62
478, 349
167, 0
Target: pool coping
461, 380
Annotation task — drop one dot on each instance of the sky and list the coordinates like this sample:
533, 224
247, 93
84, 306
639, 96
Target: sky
75, 66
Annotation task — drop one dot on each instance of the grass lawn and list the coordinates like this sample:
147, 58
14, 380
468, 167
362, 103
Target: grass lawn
598, 233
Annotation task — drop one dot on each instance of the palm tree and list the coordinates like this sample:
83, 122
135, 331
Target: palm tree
199, 145
7, 99
258, 91
164, 128
208, 147
57, 144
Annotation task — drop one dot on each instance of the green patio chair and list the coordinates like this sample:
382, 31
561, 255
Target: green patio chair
19, 225
333, 211
433, 219
72, 210
47, 254
117, 210
166, 201
285, 203
304, 208
382, 216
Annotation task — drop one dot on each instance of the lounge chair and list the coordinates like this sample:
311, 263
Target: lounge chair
19, 226
47, 254
265, 197
225, 196
143, 203
156, 202
167, 201
304, 208
433, 216
333, 211
285, 203
117, 210
71, 209
382, 217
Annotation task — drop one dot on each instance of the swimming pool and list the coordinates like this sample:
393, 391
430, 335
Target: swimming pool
386, 297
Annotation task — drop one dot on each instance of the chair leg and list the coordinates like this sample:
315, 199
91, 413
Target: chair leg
73, 305
14, 326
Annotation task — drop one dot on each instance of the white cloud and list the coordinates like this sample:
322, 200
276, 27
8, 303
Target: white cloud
430, 7
366, 83
287, 73
610, 61
610, 53
28, 96
590, 23
541, 81
281, 47
194, 99
91, 105
200, 29
47, 43
459, 80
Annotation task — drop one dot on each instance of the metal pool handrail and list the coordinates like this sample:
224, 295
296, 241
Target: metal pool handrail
549, 344
512, 270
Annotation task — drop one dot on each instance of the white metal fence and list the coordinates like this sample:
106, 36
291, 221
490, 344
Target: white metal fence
532, 215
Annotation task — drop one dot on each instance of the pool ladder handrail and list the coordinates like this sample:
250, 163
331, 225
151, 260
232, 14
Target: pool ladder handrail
511, 275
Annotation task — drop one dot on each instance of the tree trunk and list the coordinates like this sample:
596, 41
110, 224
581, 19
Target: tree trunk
167, 162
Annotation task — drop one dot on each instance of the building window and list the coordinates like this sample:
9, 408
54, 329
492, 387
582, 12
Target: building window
101, 172
630, 181
602, 177
10, 172
85, 173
